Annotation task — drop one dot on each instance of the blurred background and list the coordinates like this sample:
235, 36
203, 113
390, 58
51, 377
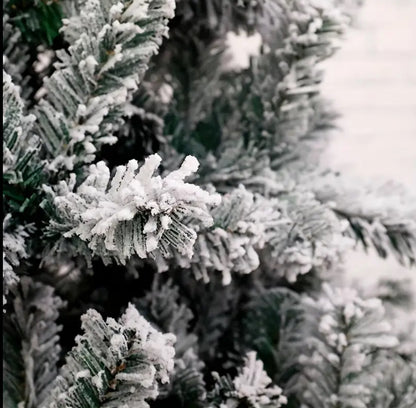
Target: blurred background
372, 83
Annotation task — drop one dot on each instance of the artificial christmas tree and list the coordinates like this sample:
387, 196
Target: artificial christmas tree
144, 176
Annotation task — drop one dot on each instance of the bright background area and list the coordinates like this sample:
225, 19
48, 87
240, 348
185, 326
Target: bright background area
372, 82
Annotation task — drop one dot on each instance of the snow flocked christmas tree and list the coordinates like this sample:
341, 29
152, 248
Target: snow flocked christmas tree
170, 238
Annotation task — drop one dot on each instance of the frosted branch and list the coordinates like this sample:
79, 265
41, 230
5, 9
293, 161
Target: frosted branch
252, 386
31, 338
133, 212
114, 364
110, 45
350, 331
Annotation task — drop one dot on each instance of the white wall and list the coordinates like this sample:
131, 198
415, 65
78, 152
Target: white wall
372, 81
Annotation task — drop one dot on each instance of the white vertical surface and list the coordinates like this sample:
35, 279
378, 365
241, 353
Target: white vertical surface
372, 82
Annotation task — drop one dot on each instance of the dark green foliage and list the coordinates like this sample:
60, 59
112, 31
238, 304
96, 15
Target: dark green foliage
38, 20
236, 273
95, 77
113, 363
22, 169
223, 386
31, 345
270, 105
140, 136
250, 388
16, 55
164, 307
272, 326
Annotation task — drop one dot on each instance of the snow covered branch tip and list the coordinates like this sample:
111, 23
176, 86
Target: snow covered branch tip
133, 212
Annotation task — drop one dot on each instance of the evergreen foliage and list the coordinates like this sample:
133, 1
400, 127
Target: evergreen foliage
38, 20
22, 170
163, 307
273, 327
397, 389
251, 387
31, 344
384, 220
15, 53
132, 214
14, 251
147, 176
115, 363
95, 77
349, 332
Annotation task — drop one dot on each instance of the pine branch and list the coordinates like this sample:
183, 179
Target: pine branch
31, 345
387, 236
110, 46
395, 292
262, 116
397, 295
14, 250
15, 55
298, 232
312, 239
396, 387
251, 130
217, 17
131, 213
164, 307
242, 225
284, 81
272, 326
240, 164
346, 334
38, 21
114, 364
10, 278
191, 59
381, 217
22, 170
215, 307
251, 387
187, 388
